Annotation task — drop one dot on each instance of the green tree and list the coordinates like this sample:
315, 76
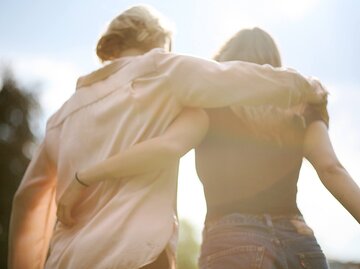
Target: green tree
188, 247
16, 141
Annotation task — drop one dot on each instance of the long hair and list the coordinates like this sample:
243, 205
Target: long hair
265, 122
250, 45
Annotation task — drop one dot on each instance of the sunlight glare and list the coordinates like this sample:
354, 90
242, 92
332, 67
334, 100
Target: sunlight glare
235, 15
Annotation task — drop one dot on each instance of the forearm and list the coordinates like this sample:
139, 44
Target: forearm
261, 85
141, 158
338, 181
185, 132
246, 84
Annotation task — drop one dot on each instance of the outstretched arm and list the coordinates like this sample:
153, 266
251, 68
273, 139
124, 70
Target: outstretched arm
320, 153
183, 134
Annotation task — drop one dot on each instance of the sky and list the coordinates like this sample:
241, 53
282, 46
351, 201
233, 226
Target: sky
49, 44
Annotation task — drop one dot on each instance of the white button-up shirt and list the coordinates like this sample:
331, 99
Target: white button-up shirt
124, 223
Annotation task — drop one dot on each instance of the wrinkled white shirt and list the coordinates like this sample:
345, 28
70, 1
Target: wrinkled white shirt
125, 223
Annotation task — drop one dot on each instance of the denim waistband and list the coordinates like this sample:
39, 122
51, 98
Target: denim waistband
253, 219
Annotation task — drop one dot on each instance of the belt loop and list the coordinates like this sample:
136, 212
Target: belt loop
268, 220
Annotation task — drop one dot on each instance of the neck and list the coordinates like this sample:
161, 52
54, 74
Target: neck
131, 52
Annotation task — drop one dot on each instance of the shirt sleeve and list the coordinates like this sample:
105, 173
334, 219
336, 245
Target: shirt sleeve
314, 113
33, 214
205, 83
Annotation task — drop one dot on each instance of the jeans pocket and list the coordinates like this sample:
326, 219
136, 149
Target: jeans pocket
240, 257
313, 260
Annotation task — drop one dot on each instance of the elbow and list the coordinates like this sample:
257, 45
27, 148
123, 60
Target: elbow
330, 171
182, 140
174, 150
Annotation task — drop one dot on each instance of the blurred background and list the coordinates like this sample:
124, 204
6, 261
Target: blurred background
45, 46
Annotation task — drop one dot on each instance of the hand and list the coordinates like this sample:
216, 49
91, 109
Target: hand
67, 201
317, 94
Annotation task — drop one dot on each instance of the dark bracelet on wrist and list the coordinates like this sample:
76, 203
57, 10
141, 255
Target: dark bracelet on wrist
81, 182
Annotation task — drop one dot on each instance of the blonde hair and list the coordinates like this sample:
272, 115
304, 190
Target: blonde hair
250, 45
139, 27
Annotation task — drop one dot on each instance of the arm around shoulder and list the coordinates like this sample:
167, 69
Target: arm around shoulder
205, 83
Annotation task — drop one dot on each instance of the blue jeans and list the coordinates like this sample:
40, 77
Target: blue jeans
241, 241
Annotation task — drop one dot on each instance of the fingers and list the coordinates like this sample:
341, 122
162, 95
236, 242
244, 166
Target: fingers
64, 215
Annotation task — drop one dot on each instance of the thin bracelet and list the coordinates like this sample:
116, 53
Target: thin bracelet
81, 182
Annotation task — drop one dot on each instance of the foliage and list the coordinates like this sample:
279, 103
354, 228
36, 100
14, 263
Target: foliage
188, 248
16, 142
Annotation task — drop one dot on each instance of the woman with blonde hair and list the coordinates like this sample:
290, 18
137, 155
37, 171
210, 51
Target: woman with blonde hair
116, 204
249, 164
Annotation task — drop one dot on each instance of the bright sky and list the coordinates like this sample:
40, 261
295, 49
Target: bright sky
52, 43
